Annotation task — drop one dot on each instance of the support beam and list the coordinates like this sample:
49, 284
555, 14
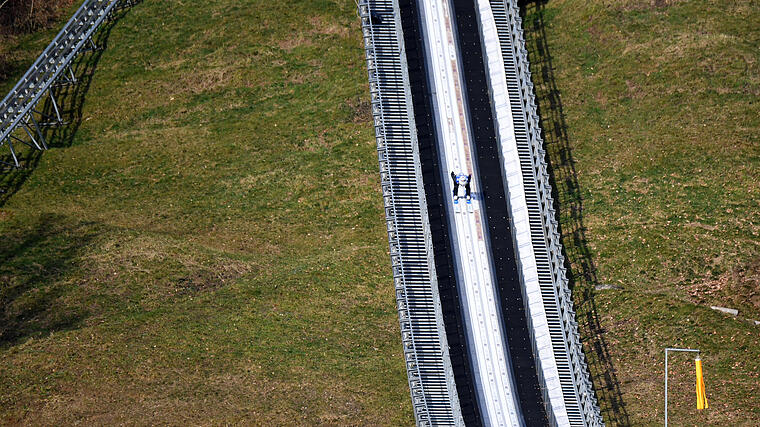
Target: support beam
53, 68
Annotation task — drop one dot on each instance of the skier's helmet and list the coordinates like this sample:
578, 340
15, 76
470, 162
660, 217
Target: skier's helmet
462, 179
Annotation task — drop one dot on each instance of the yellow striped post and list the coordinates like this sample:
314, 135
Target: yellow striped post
701, 395
699, 379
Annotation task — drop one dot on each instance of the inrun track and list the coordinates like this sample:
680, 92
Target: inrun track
487, 322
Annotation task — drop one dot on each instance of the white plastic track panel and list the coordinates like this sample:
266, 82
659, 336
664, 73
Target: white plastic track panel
492, 370
519, 211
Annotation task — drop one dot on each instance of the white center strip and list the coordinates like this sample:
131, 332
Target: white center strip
492, 370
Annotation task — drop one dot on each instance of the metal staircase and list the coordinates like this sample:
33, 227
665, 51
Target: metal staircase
422, 331
20, 121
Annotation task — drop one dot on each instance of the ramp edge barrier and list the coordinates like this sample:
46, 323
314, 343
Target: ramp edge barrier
53, 65
429, 370
546, 238
509, 132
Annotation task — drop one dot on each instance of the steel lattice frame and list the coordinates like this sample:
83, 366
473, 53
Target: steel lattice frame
20, 122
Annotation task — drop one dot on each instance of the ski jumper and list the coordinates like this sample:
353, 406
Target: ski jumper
463, 180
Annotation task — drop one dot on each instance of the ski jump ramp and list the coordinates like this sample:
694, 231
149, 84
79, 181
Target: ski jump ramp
491, 364
487, 322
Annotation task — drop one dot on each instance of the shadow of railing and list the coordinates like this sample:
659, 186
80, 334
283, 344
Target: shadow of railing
568, 202
35, 264
70, 98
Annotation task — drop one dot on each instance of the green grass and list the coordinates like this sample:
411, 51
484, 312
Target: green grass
210, 249
660, 107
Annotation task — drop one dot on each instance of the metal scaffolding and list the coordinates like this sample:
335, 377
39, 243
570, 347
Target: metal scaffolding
429, 371
21, 122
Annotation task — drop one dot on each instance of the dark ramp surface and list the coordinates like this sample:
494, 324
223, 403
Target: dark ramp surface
500, 233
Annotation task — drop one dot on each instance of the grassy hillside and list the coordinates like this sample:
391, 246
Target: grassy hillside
650, 112
210, 247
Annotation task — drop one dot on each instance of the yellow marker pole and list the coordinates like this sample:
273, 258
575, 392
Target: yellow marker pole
701, 395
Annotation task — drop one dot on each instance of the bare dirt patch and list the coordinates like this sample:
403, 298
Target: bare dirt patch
738, 288
361, 108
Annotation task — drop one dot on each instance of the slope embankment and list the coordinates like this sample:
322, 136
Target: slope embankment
650, 115
211, 248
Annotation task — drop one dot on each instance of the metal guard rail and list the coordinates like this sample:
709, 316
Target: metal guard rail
17, 109
425, 347
582, 381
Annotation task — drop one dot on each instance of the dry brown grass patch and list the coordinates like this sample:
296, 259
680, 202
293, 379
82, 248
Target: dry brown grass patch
317, 141
208, 80
639, 5
166, 269
634, 90
319, 26
297, 40
738, 288
686, 43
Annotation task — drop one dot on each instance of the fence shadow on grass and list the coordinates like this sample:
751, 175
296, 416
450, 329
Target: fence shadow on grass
569, 205
34, 266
